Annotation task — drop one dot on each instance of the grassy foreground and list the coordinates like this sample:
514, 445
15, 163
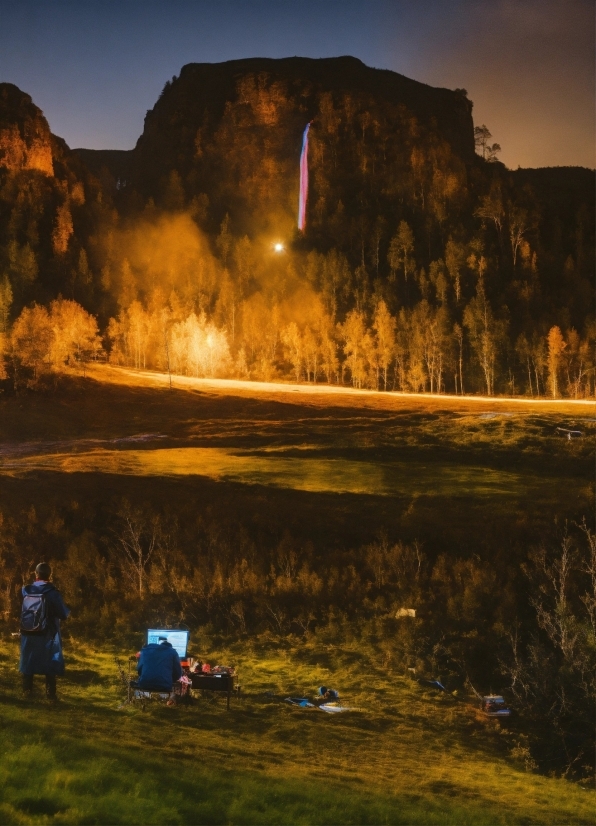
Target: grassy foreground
408, 756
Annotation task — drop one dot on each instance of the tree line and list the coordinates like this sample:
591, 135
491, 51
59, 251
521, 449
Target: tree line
437, 345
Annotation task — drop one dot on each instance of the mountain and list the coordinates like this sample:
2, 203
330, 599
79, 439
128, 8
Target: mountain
25, 138
401, 210
231, 132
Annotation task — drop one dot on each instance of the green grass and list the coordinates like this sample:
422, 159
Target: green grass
410, 756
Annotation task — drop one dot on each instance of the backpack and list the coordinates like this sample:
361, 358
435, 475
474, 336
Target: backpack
34, 615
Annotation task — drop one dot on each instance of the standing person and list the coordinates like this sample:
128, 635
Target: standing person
41, 643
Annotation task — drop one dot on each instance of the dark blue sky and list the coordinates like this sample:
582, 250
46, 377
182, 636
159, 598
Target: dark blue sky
94, 68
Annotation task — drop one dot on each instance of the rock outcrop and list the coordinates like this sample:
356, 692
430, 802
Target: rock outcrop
25, 138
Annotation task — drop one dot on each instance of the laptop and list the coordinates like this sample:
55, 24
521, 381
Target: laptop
177, 638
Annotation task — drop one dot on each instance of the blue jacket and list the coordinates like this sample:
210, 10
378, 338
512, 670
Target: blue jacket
159, 667
43, 654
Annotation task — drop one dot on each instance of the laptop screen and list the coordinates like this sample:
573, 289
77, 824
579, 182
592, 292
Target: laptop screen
177, 638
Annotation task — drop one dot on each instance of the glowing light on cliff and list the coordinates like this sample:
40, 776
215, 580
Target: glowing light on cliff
278, 247
303, 180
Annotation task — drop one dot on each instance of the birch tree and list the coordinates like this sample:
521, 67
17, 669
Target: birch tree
485, 333
384, 326
401, 251
556, 346
136, 538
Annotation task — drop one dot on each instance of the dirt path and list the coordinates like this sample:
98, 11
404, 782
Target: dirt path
324, 395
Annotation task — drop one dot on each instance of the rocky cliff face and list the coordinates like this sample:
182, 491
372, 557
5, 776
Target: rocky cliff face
231, 132
25, 138
200, 95
50, 205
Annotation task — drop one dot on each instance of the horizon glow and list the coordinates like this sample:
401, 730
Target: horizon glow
303, 181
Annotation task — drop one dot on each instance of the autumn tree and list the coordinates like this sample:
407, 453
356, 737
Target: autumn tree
139, 329
476, 259
329, 359
455, 259
518, 226
5, 305
418, 319
486, 335
401, 251
81, 273
226, 308
356, 341
401, 352
539, 357
377, 234
312, 352
458, 335
524, 353
294, 347
128, 291
491, 206
75, 334
436, 347
23, 267
384, 326
63, 229
578, 363
438, 278
31, 340
198, 348
556, 346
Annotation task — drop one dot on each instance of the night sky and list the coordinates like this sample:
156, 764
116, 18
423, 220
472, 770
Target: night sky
94, 68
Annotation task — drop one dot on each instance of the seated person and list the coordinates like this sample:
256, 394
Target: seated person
159, 667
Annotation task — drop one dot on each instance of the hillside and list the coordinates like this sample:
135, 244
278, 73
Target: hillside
50, 209
409, 756
421, 266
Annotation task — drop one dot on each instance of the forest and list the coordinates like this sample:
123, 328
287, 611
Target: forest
423, 266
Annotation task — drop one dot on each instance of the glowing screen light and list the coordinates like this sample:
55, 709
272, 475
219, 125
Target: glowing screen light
303, 180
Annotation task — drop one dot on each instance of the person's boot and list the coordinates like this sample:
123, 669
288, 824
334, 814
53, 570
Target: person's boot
27, 686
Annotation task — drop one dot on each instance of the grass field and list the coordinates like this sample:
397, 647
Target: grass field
409, 756
462, 476
328, 466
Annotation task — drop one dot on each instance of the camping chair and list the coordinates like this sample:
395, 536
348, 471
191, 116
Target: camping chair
125, 680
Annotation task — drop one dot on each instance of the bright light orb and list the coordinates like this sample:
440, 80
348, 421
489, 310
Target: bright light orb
278, 247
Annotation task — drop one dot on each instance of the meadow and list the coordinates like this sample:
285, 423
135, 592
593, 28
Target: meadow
457, 474
409, 755
467, 479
